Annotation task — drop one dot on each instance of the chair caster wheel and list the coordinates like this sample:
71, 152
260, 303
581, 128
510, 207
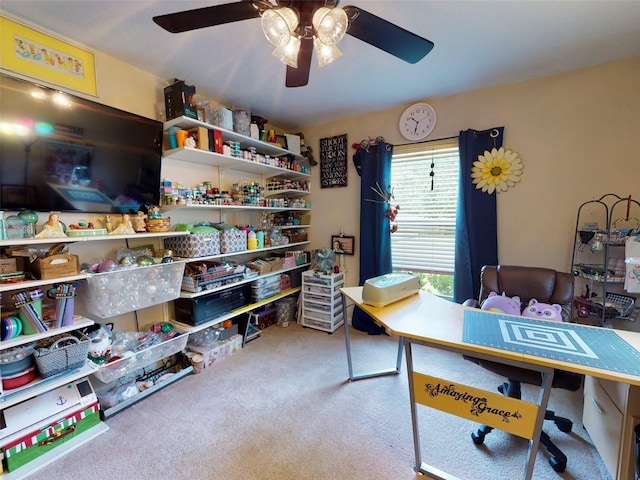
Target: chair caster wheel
564, 425
558, 465
478, 438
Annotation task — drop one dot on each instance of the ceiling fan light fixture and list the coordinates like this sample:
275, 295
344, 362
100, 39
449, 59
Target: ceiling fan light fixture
330, 24
325, 53
278, 25
288, 54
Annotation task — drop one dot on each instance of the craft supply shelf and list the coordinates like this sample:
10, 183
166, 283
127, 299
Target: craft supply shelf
177, 372
188, 294
40, 386
112, 371
599, 263
246, 309
194, 155
276, 180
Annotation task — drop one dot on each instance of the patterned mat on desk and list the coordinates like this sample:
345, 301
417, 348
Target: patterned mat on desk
595, 347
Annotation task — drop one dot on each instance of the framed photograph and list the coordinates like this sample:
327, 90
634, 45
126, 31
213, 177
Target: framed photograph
26, 51
342, 244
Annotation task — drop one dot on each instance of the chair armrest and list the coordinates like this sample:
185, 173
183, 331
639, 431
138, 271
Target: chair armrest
471, 302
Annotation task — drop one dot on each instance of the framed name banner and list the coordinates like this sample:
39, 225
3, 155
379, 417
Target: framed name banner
333, 161
26, 51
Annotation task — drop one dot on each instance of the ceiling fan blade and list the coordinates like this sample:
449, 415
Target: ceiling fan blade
207, 16
299, 77
386, 36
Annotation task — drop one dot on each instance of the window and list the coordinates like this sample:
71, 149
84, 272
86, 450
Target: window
425, 240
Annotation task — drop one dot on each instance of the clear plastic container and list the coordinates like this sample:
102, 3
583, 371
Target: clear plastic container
114, 293
109, 372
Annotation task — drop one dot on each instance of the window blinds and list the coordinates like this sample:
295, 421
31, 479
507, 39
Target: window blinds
424, 241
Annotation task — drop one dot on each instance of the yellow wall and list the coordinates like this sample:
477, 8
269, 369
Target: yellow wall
576, 133
128, 88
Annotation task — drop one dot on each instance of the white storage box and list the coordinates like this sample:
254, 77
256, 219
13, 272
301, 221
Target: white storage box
129, 365
121, 291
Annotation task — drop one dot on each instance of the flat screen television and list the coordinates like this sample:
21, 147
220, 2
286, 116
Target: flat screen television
60, 152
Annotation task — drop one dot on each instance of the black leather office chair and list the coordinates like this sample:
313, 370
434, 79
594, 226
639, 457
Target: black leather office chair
547, 286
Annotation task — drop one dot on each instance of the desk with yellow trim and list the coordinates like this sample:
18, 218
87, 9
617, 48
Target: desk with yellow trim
426, 319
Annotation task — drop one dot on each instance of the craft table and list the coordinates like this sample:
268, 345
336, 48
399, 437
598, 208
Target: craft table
428, 320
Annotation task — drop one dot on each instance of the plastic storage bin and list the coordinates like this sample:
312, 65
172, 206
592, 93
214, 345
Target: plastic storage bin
129, 365
122, 291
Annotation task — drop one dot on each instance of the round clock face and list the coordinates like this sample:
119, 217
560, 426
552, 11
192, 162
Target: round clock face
417, 121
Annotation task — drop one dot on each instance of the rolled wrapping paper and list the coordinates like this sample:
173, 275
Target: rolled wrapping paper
69, 312
57, 315
29, 305
33, 296
31, 318
62, 295
64, 311
59, 304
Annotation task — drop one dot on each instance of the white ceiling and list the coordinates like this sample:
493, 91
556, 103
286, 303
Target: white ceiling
477, 44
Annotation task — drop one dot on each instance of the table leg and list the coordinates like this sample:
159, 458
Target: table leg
543, 401
421, 467
347, 339
433, 472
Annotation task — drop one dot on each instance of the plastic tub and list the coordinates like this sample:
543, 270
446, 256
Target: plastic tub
122, 291
129, 365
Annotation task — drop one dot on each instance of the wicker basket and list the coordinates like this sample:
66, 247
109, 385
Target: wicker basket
64, 353
155, 225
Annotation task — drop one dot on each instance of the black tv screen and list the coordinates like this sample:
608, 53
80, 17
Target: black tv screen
60, 152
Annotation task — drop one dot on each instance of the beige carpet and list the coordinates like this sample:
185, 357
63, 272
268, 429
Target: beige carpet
282, 409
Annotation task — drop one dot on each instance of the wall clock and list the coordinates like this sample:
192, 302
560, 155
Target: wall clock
417, 121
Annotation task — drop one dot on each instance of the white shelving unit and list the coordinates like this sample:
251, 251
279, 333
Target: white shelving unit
14, 397
322, 301
243, 252
222, 163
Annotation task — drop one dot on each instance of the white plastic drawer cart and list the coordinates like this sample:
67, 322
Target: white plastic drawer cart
322, 301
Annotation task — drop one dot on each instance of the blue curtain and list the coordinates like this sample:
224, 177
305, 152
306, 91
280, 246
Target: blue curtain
374, 166
476, 220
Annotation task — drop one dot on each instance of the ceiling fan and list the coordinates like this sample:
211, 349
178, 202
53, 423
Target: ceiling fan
306, 31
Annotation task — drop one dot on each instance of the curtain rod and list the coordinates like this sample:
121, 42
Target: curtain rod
493, 132
427, 141
372, 143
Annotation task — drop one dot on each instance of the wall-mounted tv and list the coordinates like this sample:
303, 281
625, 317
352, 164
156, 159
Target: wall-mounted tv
60, 152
